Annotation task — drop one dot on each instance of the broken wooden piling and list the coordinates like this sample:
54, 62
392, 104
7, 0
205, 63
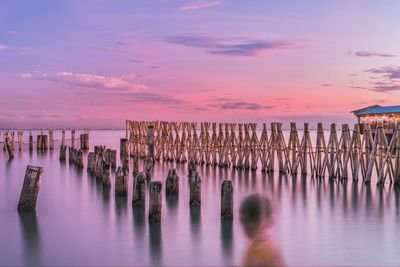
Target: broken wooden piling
121, 182
155, 201
106, 174
63, 153
9, 149
227, 199
30, 188
195, 190
172, 182
84, 141
139, 189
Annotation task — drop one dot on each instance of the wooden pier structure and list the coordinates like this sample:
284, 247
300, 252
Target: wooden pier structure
339, 155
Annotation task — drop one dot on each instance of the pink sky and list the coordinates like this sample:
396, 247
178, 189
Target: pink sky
95, 64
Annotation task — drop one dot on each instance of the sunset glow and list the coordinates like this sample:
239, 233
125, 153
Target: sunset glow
96, 63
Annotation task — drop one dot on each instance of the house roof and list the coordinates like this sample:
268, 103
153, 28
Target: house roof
365, 108
377, 110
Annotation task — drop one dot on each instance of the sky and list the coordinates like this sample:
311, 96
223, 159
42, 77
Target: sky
97, 63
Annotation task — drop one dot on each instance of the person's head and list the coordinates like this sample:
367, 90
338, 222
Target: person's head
255, 214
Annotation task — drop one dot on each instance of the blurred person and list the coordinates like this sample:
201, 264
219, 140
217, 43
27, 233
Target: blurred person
256, 218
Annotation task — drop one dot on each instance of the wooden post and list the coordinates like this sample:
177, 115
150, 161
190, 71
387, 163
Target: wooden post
72, 137
84, 140
227, 199
12, 140
63, 137
30, 188
397, 157
148, 167
45, 142
106, 174
155, 201
71, 154
79, 159
172, 182
125, 163
30, 141
139, 189
150, 136
39, 142
91, 162
135, 164
195, 190
63, 153
20, 139
99, 167
113, 158
9, 149
51, 140
121, 182
123, 147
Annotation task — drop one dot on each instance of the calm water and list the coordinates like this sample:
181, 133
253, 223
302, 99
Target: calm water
317, 222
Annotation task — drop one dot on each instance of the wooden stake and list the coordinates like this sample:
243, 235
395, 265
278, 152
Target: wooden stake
139, 189
172, 182
155, 201
121, 182
227, 199
30, 188
195, 190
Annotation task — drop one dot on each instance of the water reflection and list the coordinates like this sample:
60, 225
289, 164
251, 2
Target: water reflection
227, 240
30, 233
172, 203
195, 218
139, 222
396, 189
121, 205
155, 243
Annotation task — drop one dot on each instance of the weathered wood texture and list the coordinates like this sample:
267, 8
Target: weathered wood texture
227, 199
172, 182
30, 188
155, 201
121, 182
84, 140
139, 189
340, 155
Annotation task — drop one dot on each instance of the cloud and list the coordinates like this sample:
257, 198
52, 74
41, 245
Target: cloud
201, 5
384, 79
226, 104
370, 54
3, 47
390, 72
385, 87
230, 46
146, 97
87, 80
326, 85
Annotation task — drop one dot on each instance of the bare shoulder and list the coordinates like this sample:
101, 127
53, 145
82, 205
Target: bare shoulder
263, 253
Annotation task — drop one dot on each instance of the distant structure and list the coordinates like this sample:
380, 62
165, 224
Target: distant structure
389, 116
